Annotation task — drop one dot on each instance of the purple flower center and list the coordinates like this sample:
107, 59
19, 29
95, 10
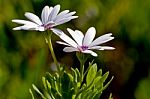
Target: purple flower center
48, 26
83, 48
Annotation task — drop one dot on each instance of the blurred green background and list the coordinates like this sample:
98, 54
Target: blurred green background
24, 56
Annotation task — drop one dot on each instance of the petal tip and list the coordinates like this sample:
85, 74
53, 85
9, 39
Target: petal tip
68, 29
16, 29
13, 20
58, 6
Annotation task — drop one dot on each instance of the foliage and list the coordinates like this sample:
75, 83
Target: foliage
69, 85
24, 56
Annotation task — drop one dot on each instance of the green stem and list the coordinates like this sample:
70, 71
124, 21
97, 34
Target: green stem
49, 42
82, 70
52, 51
82, 60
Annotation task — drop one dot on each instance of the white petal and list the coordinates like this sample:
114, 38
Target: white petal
106, 48
57, 31
50, 23
61, 22
90, 52
54, 13
26, 27
64, 20
63, 43
64, 15
95, 47
68, 40
33, 18
45, 14
70, 14
23, 22
89, 36
61, 14
102, 39
70, 49
77, 36
41, 28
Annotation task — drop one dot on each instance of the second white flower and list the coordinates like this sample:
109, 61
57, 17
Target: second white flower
85, 44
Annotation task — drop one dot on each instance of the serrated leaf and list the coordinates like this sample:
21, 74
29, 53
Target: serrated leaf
91, 74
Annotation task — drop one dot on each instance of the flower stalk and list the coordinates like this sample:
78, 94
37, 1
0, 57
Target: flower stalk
82, 59
49, 42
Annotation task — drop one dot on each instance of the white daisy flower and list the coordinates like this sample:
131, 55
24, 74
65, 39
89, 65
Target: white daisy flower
49, 19
85, 44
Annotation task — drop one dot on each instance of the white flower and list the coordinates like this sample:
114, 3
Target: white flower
85, 44
49, 19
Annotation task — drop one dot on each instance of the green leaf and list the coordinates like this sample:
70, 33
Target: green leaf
78, 74
85, 94
67, 86
49, 89
48, 86
108, 83
47, 95
94, 95
51, 79
56, 86
97, 95
90, 64
99, 73
98, 83
70, 76
91, 74
37, 90
104, 77
110, 96
84, 88
31, 93
75, 76
44, 82
90, 95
